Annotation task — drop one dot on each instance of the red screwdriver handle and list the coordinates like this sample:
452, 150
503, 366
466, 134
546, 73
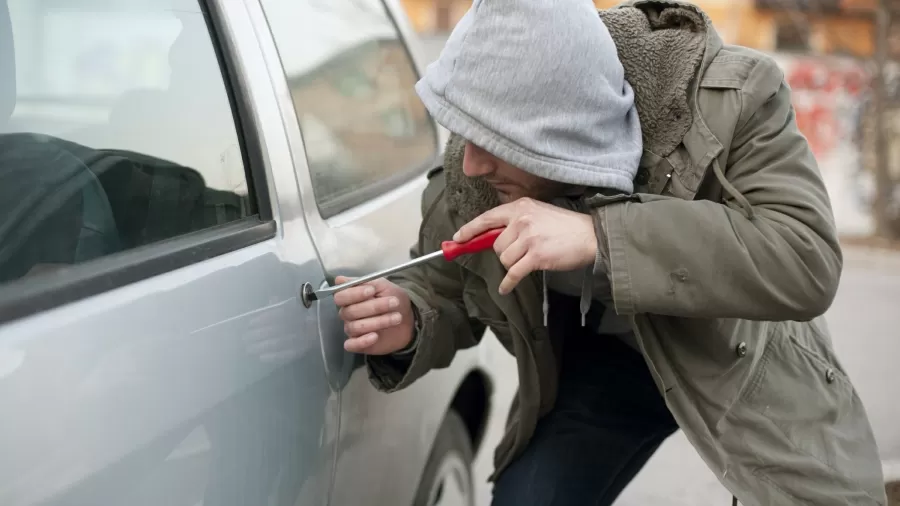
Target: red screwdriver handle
453, 250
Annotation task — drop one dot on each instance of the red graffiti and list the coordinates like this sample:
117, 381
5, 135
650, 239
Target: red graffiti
818, 124
818, 88
811, 75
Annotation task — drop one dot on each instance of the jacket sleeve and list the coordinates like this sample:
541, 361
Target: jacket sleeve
704, 259
436, 291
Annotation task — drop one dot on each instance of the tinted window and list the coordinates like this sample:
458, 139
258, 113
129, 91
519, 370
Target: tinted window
352, 82
116, 130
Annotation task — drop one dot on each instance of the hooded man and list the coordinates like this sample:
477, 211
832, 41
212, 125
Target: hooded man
654, 276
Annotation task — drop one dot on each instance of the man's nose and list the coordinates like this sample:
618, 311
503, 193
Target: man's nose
477, 162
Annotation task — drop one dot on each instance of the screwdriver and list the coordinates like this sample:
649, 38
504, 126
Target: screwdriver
450, 250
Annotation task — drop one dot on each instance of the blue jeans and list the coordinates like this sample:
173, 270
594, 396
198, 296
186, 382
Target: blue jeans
608, 420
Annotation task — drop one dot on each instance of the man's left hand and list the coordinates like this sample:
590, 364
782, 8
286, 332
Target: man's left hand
538, 236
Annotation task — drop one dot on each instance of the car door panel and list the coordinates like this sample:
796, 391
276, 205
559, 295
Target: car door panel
132, 370
384, 439
202, 385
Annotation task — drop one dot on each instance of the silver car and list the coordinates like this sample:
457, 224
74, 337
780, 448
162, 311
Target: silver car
172, 174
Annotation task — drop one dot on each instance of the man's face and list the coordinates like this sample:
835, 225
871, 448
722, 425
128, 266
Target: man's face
511, 183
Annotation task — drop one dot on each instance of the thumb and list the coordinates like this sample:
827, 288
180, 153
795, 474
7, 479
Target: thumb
381, 285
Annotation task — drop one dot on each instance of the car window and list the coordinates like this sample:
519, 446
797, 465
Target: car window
352, 83
116, 130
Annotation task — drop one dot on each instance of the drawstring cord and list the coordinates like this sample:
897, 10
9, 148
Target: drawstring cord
587, 294
587, 284
546, 305
742, 200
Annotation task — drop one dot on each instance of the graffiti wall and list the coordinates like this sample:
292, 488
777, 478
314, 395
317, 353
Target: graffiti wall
827, 99
830, 96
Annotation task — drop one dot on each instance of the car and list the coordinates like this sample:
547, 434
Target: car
174, 174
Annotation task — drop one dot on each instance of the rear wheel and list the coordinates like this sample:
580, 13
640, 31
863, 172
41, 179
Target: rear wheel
447, 480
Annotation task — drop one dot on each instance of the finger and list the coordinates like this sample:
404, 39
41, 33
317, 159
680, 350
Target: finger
358, 328
505, 239
495, 218
354, 295
367, 309
516, 274
361, 344
381, 285
513, 253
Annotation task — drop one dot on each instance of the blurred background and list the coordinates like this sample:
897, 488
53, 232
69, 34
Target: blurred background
840, 57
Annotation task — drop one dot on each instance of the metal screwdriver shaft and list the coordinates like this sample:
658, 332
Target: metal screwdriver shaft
450, 250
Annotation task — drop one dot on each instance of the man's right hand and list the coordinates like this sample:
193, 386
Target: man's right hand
378, 317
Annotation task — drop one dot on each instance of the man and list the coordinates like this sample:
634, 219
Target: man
692, 300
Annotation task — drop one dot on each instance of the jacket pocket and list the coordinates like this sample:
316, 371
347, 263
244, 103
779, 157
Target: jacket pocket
800, 393
799, 425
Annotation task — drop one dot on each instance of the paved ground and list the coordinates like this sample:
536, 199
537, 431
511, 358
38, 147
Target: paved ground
864, 319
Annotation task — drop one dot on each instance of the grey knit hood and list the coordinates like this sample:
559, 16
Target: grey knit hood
538, 83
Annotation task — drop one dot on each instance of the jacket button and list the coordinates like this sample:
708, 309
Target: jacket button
741, 350
829, 375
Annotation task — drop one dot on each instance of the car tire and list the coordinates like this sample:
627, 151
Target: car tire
447, 479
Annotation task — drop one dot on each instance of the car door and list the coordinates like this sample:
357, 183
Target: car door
362, 143
153, 347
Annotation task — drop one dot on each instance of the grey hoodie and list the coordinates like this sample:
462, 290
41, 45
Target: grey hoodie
538, 84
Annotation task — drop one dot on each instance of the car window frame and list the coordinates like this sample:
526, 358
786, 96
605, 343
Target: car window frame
359, 197
26, 297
